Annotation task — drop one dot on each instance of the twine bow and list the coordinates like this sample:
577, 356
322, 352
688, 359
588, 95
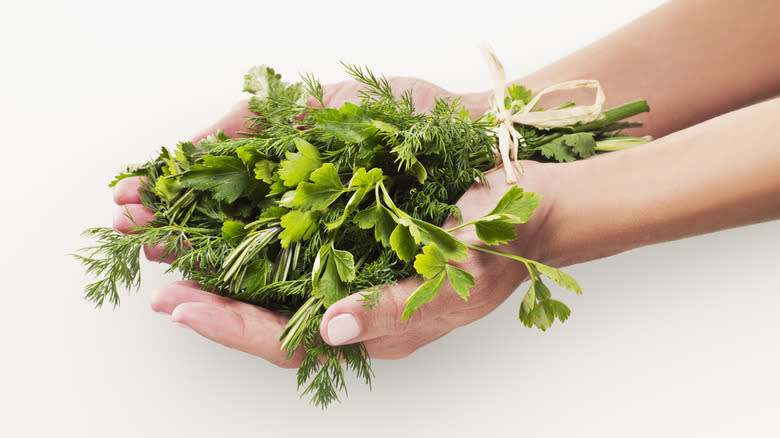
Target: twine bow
509, 139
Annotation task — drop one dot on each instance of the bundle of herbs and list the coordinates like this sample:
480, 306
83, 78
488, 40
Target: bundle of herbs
314, 204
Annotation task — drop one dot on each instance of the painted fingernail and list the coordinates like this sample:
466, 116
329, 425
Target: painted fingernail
342, 328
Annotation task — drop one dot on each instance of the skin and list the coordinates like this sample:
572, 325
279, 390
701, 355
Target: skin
711, 93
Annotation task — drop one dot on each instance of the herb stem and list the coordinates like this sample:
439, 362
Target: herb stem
613, 115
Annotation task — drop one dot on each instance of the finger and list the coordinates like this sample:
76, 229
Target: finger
231, 123
348, 320
166, 298
129, 216
126, 190
231, 323
159, 253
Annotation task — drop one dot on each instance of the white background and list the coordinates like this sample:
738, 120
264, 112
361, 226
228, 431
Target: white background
679, 339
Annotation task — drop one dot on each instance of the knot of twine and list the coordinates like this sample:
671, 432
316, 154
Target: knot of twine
509, 139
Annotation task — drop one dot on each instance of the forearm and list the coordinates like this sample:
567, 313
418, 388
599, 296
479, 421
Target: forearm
691, 60
719, 174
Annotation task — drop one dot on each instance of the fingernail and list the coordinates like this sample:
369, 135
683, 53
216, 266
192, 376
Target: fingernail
182, 325
342, 328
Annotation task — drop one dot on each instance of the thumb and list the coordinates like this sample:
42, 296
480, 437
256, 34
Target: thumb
349, 320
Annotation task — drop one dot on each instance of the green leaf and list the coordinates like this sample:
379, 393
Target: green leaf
431, 262
350, 123
515, 207
384, 127
257, 274
264, 171
168, 187
582, 143
330, 287
265, 83
249, 155
363, 181
418, 170
569, 146
529, 300
260, 79
402, 243
345, 264
460, 280
325, 188
495, 232
557, 309
298, 166
447, 244
563, 279
233, 232
379, 218
557, 150
517, 93
426, 292
226, 177
298, 225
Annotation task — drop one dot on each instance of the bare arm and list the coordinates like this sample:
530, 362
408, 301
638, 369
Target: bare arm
690, 59
719, 174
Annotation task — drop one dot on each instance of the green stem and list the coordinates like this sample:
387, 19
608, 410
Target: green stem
614, 114
499, 253
618, 143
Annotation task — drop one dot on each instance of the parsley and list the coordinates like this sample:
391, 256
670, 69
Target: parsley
316, 204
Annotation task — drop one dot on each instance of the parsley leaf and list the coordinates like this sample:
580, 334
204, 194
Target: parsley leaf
226, 177
426, 292
298, 166
298, 225
325, 188
350, 123
460, 280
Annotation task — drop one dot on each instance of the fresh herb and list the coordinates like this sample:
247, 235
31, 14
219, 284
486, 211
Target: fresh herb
316, 204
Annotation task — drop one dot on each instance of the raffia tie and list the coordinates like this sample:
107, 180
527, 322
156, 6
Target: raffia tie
509, 139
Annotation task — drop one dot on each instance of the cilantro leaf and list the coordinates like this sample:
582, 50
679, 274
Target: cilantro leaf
426, 292
226, 177
460, 280
558, 150
582, 143
325, 188
299, 165
350, 123
264, 82
569, 146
